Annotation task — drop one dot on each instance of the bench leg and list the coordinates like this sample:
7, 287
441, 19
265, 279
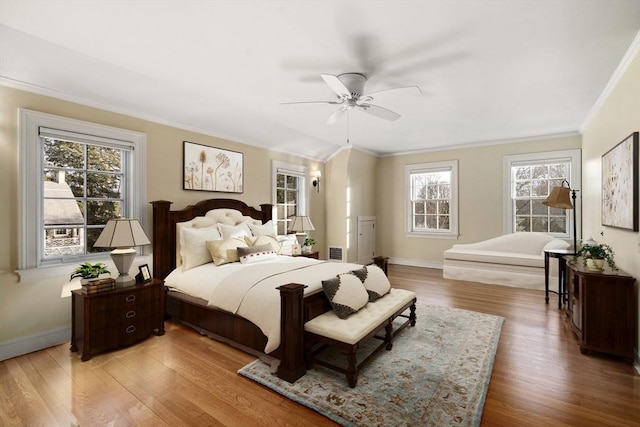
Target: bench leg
388, 336
352, 369
412, 316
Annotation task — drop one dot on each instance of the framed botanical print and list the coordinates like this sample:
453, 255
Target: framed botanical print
620, 185
212, 169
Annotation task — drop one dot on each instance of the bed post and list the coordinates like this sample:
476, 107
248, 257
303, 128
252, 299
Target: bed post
292, 364
161, 245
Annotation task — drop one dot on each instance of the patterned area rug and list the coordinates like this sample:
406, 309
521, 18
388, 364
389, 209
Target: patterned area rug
437, 374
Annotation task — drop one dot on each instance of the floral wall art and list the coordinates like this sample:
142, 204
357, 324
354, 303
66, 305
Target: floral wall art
212, 169
620, 185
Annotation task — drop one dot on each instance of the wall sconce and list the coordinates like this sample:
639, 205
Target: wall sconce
316, 180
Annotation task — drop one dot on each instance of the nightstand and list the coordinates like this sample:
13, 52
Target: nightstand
315, 255
117, 318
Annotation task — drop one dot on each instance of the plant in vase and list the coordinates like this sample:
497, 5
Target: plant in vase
595, 255
87, 271
307, 246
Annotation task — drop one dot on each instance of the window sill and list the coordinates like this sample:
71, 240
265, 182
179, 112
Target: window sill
434, 236
64, 270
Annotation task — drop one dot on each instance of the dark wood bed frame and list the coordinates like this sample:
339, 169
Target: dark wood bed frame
296, 309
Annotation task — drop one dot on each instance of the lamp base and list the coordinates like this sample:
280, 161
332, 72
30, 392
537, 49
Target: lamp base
123, 258
301, 237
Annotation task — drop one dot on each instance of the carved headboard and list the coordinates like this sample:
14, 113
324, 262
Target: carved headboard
165, 220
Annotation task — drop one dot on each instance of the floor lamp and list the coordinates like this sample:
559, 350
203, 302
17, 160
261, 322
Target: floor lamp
564, 198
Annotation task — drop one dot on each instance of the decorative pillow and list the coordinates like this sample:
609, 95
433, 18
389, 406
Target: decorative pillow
266, 229
234, 231
225, 251
374, 280
346, 294
193, 247
264, 240
253, 254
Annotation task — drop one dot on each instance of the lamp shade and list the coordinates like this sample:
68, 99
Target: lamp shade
122, 233
559, 198
301, 224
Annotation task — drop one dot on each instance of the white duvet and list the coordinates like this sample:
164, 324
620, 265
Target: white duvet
249, 290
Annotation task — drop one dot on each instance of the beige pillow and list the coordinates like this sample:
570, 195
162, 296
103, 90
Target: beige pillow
193, 247
264, 240
225, 251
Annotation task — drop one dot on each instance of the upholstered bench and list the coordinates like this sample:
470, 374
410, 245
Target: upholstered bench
349, 334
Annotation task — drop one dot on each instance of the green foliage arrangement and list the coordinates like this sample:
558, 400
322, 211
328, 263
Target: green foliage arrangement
309, 242
597, 251
86, 270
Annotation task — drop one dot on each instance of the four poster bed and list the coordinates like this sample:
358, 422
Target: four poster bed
297, 298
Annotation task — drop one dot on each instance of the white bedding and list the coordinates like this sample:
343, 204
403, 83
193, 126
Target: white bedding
244, 290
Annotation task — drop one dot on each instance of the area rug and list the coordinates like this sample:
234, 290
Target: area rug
437, 374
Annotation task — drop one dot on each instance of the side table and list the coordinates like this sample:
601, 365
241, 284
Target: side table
560, 254
314, 254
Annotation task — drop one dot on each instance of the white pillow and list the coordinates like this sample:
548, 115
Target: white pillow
264, 240
193, 246
234, 231
346, 294
266, 229
225, 251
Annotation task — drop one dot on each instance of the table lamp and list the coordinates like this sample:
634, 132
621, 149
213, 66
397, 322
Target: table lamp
300, 224
122, 234
559, 198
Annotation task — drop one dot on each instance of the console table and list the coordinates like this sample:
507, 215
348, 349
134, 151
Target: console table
601, 310
560, 254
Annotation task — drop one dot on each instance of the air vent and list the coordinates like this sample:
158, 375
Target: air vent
335, 253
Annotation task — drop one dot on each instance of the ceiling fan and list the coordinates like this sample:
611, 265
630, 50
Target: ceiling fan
349, 87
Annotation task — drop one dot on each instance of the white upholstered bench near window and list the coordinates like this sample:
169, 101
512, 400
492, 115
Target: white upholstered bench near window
350, 333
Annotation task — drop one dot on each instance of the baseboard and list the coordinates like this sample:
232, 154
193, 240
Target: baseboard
30, 343
415, 262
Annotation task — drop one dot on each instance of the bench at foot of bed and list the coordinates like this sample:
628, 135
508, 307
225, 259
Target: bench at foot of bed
349, 334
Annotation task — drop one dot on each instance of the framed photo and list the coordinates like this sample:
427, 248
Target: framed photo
620, 185
212, 169
296, 249
144, 275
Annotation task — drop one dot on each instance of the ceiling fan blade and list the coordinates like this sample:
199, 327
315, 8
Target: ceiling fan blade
408, 90
335, 116
378, 111
311, 102
336, 85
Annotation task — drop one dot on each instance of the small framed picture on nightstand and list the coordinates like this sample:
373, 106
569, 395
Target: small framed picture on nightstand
144, 275
296, 249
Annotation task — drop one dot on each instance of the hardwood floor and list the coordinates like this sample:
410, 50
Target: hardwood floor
539, 376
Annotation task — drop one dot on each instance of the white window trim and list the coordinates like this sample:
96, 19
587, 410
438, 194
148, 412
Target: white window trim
30, 190
278, 166
453, 207
573, 156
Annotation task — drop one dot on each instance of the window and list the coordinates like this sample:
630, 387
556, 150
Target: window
83, 187
530, 179
290, 193
432, 205
74, 177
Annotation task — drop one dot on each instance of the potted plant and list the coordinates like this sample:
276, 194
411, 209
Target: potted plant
307, 245
595, 255
87, 271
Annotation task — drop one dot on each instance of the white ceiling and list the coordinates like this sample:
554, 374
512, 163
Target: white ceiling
488, 70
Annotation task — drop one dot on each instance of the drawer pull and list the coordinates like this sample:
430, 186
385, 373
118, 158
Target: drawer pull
130, 314
130, 329
131, 298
